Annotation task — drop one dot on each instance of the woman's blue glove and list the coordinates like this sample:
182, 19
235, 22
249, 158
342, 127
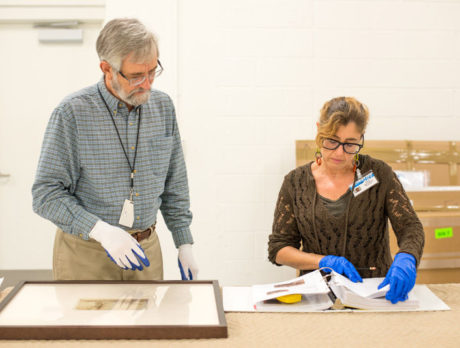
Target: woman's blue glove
401, 277
340, 265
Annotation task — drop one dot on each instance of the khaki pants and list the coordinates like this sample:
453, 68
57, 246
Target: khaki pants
78, 259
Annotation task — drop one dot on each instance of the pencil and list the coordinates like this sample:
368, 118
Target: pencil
372, 268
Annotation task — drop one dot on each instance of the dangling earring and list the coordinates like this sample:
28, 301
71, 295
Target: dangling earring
355, 162
318, 157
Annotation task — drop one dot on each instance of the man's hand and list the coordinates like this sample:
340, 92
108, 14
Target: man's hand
401, 277
187, 265
340, 265
120, 246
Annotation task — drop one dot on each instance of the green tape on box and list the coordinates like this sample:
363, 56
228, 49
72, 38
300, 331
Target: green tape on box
446, 232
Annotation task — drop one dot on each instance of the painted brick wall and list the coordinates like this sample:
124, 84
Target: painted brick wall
251, 78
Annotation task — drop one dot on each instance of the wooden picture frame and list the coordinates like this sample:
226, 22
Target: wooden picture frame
113, 310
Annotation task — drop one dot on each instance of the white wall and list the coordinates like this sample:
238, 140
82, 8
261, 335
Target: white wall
253, 75
248, 78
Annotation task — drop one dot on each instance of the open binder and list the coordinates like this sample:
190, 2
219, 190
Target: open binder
326, 293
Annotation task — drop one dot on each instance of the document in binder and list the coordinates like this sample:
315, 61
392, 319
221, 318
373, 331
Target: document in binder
366, 295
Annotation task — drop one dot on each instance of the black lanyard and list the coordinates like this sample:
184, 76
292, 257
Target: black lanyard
132, 167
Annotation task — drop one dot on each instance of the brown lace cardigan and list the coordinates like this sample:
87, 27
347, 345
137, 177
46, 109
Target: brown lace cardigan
367, 240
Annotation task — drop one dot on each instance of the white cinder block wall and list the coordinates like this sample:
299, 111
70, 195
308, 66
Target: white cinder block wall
248, 78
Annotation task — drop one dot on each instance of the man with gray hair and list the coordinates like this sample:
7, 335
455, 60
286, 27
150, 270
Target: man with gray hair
111, 157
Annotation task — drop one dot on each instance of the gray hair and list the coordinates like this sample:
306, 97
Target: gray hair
122, 36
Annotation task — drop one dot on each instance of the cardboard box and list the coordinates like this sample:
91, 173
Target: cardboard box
435, 198
438, 276
440, 262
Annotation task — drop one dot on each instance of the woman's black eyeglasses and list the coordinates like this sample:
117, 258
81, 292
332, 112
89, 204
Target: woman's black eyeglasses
350, 148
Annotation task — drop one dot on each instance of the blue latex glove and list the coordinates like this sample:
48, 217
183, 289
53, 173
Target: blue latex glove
401, 277
340, 265
182, 273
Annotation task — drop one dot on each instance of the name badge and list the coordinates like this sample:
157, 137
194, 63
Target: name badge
127, 214
364, 183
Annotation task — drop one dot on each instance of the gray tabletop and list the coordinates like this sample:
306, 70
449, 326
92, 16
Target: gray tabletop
14, 276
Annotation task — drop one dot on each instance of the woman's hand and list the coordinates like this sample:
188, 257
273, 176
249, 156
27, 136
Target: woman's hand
340, 265
401, 277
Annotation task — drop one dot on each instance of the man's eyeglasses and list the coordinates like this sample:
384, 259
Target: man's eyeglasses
136, 81
351, 148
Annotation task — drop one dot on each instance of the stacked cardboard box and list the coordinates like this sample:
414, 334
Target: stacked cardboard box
437, 205
439, 212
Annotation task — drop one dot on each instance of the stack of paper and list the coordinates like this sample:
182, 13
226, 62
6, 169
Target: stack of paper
366, 295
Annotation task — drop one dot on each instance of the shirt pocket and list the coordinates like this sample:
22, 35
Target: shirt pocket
161, 155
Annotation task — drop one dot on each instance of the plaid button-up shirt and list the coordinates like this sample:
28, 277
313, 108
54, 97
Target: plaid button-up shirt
83, 174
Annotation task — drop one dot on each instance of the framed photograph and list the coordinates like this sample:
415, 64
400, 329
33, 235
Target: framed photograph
113, 310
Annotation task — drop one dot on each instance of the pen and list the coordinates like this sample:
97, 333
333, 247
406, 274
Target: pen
372, 268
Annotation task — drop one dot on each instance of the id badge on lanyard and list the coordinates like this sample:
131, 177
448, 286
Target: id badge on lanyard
364, 183
127, 213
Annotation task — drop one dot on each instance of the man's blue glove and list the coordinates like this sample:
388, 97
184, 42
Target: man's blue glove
187, 265
340, 265
182, 273
120, 246
401, 277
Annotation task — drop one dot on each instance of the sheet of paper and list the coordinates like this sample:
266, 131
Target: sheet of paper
310, 283
428, 301
351, 299
368, 288
237, 299
1, 281
421, 299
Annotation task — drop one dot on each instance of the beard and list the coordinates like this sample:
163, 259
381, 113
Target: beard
132, 98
